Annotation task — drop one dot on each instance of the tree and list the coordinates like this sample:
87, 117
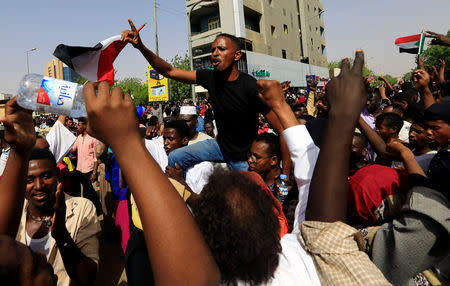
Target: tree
432, 55
137, 89
80, 80
366, 70
178, 90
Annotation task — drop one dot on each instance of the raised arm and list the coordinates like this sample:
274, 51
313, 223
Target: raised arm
386, 82
160, 65
271, 93
421, 80
175, 259
20, 134
302, 149
285, 157
407, 156
374, 139
80, 268
441, 71
347, 96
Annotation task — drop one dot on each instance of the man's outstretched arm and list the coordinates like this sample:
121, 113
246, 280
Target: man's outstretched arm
160, 65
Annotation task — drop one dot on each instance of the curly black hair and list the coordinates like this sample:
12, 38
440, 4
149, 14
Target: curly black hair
273, 143
239, 225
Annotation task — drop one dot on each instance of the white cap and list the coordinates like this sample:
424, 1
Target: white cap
188, 110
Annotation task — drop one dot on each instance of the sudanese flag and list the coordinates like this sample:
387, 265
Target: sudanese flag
94, 64
411, 44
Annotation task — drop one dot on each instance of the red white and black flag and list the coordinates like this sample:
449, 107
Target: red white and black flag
93, 63
411, 44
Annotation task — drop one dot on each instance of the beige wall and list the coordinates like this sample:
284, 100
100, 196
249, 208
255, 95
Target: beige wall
311, 25
277, 14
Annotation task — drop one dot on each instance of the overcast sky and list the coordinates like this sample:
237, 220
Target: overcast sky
349, 24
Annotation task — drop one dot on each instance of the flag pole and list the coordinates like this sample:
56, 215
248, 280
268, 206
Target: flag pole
421, 42
140, 28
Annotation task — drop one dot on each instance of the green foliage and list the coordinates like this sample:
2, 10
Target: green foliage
407, 76
390, 79
433, 53
136, 88
80, 80
366, 70
178, 90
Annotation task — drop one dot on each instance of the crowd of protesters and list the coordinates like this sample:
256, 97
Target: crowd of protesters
195, 189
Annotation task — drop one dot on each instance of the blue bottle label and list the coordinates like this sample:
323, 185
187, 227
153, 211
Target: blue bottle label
57, 93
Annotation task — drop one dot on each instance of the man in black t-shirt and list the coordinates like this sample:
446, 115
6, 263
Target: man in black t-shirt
234, 98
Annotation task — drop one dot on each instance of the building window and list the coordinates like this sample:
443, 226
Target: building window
270, 2
285, 29
283, 54
324, 50
272, 30
252, 19
213, 23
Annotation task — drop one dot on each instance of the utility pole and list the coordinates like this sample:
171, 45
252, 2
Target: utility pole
156, 29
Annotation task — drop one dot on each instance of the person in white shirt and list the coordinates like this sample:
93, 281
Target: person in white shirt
175, 135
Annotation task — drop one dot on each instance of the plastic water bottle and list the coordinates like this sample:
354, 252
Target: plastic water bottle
47, 94
283, 189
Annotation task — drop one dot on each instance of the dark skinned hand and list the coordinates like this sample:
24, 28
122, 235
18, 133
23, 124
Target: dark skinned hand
175, 173
19, 126
103, 110
270, 92
132, 36
59, 217
348, 89
421, 79
420, 63
438, 39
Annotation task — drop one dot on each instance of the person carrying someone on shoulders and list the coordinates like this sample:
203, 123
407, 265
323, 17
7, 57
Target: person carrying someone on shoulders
234, 98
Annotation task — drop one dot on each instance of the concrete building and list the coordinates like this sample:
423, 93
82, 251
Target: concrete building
281, 39
57, 69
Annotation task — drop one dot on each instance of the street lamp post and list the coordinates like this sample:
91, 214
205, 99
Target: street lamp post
28, 65
204, 3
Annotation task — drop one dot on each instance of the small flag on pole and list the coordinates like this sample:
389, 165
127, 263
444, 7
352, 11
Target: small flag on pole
412, 44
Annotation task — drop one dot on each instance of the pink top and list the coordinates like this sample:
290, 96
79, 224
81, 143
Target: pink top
85, 145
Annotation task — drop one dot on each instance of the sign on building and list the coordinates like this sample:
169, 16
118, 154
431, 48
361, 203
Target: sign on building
158, 87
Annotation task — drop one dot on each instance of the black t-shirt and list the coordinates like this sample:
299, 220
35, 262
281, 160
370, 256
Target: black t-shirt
439, 171
236, 108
